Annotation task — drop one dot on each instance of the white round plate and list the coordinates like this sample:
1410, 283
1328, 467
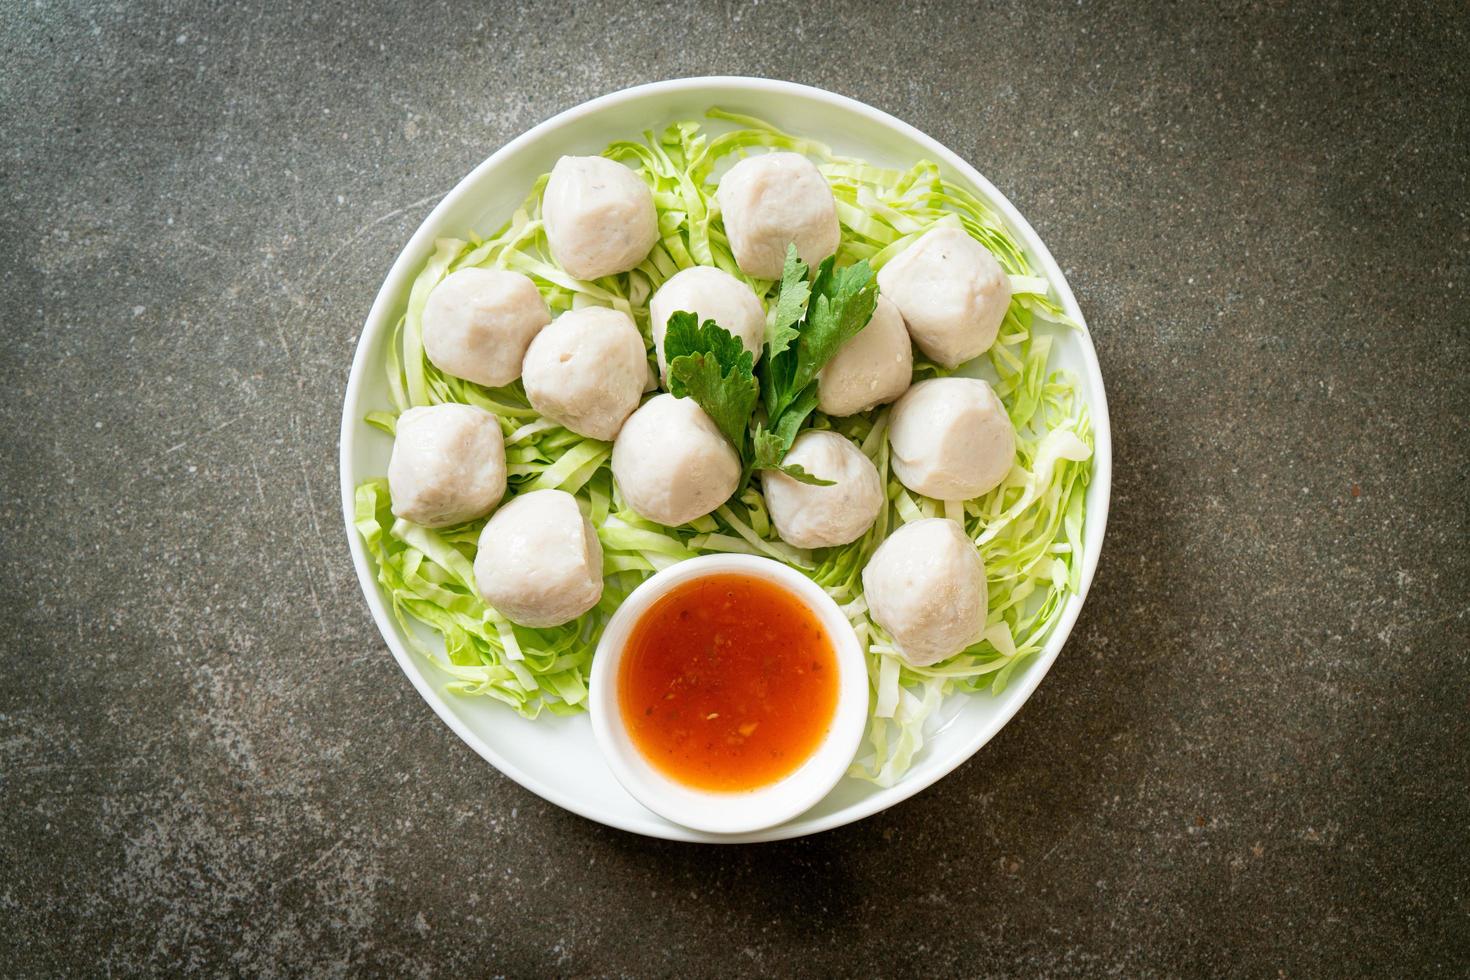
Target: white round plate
557, 758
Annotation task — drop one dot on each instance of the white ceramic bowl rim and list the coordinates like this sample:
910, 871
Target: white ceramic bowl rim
766, 806
415, 253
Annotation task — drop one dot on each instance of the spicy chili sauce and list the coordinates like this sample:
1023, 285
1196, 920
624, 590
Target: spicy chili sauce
728, 683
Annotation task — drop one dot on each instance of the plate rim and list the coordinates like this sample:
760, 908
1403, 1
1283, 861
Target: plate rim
404, 267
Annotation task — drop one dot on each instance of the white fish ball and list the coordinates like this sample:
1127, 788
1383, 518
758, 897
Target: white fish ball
951, 439
871, 369
808, 516
478, 323
587, 371
671, 462
600, 218
448, 465
539, 562
952, 292
926, 586
774, 200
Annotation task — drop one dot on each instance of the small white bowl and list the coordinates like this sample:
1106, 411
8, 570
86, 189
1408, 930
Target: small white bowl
765, 806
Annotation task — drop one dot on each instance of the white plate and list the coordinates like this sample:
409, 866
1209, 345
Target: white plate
557, 758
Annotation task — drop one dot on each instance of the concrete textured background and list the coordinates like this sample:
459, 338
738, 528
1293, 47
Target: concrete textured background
1251, 758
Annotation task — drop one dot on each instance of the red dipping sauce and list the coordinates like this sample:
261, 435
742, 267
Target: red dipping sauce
728, 683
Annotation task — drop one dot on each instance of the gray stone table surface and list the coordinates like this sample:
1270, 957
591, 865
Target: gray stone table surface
1251, 758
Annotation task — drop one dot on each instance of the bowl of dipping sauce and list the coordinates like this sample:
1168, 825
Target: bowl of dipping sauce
729, 693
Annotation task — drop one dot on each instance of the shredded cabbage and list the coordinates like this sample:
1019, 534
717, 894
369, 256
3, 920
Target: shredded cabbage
1028, 530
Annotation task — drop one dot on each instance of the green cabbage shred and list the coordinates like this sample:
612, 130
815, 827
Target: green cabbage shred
1028, 530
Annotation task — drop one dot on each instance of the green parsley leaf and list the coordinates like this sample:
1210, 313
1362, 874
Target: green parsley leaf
710, 365
780, 361
839, 303
842, 304
766, 448
798, 473
790, 304
769, 444
790, 421
835, 305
